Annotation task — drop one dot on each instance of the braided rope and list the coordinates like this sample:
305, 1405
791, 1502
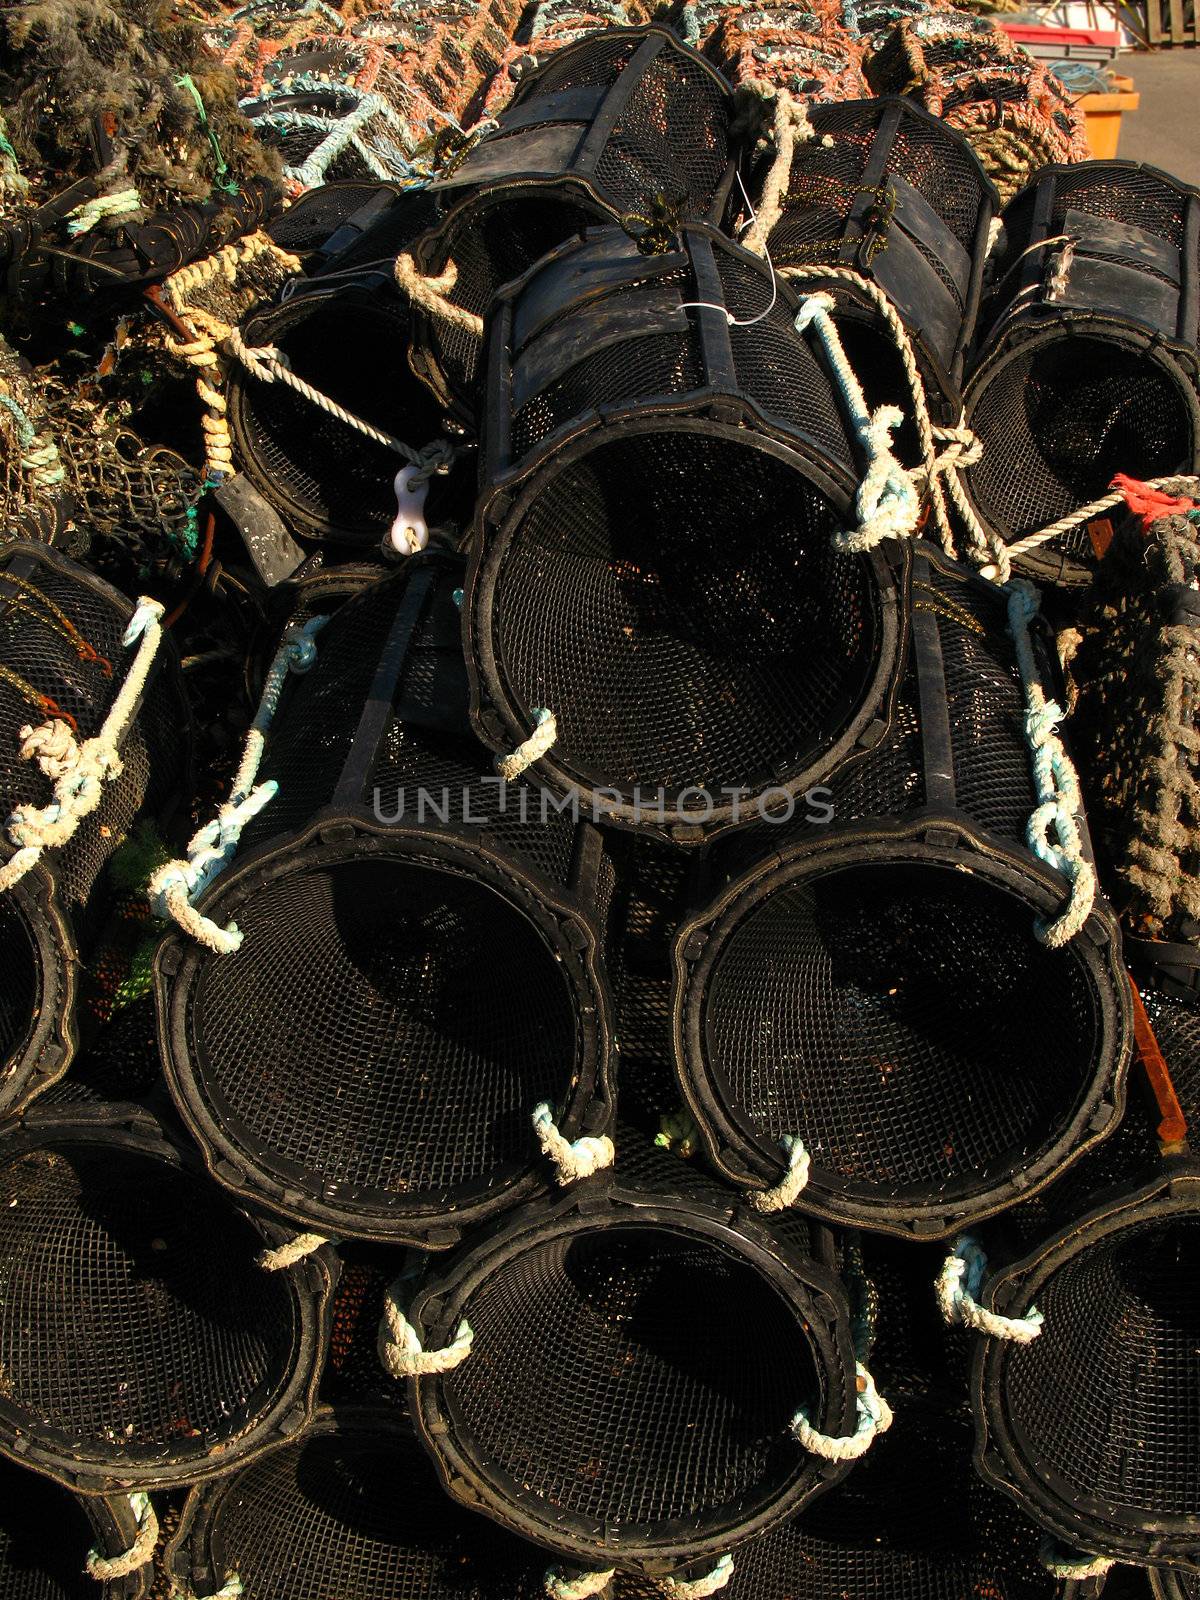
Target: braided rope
1077, 1566
39, 453
231, 1589
545, 731
1055, 781
118, 207
79, 771
175, 885
792, 126
874, 1417
572, 1158
578, 1586
431, 294
958, 1284
140, 1553
788, 1190
401, 1351
297, 1249
700, 1588
1076, 519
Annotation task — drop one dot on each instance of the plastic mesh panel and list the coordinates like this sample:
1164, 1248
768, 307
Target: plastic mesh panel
904, 1021
21, 965
672, 648
334, 480
588, 1385
132, 1314
1122, 1338
401, 1046
44, 1540
309, 223
1065, 414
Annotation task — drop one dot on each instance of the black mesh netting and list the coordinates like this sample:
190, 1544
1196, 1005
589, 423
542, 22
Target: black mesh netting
329, 478
135, 1325
45, 1536
354, 1511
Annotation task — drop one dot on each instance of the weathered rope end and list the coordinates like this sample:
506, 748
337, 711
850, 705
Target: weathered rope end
287, 1255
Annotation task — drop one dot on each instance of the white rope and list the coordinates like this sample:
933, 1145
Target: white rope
287, 1255
582, 1586
175, 885
79, 771
959, 1282
1076, 519
874, 1416
545, 731
124, 203
431, 294
270, 365
140, 1553
401, 1351
792, 126
572, 1158
787, 1191
1078, 1566
700, 1588
1052, 831
231, 1589
887, 502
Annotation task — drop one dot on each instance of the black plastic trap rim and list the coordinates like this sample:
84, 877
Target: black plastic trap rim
632, 570
142, 1344
884, 997
45, 1536
378, 1078
354, 1510
625, 125
313, 221
1168, 1585
328, 479
1117, 1469
608, 1410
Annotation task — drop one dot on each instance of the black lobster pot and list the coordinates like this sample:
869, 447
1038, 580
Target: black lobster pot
1167, 1585
60, 640
142, 1343
1086, 360
867, 976
352, 1509
654, 558
46, 1534
628, 124
640, 1348
422, 961
887, 189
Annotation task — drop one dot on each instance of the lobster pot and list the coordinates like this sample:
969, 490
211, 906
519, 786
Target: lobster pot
61, 656
628, 124
894, 193
806, 50
1086, 360
354, 1510
654, 560
450, 977
552, 26
310, 227
142, 1343
46, 1534
330, 480
639, 1353
1088, 1425
868, 976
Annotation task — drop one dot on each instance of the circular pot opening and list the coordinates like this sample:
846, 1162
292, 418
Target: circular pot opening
1122, 1337
903, 1019
395, 1052
674, 598
603, 1390
335, 481
135, 1323
1061, 416
20, 991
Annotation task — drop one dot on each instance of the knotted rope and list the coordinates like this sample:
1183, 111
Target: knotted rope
1052, 831
431, 294
177, 884
401, 1351
572, 1158
582, 1586
79, 771
874, 1417
1068, 1565
545, 731
287, 1255
792, 127
700, 1588
887, 502
959, 1283
787, 1191
39, 453
140, 1553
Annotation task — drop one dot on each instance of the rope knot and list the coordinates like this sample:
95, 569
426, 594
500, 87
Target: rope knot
813, 306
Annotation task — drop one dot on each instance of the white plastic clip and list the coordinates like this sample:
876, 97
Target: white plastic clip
409, 532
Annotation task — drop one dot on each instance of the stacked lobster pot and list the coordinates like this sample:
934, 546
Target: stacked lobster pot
552, 26
807, 51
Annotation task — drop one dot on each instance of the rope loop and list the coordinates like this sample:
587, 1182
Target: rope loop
874, 1417
401, 1351
432, 294
1068, 1564
958, 1285
140, 1553
788, 1190
545, 731
700, 1588
572, 1158
578, 1586
294, 1250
